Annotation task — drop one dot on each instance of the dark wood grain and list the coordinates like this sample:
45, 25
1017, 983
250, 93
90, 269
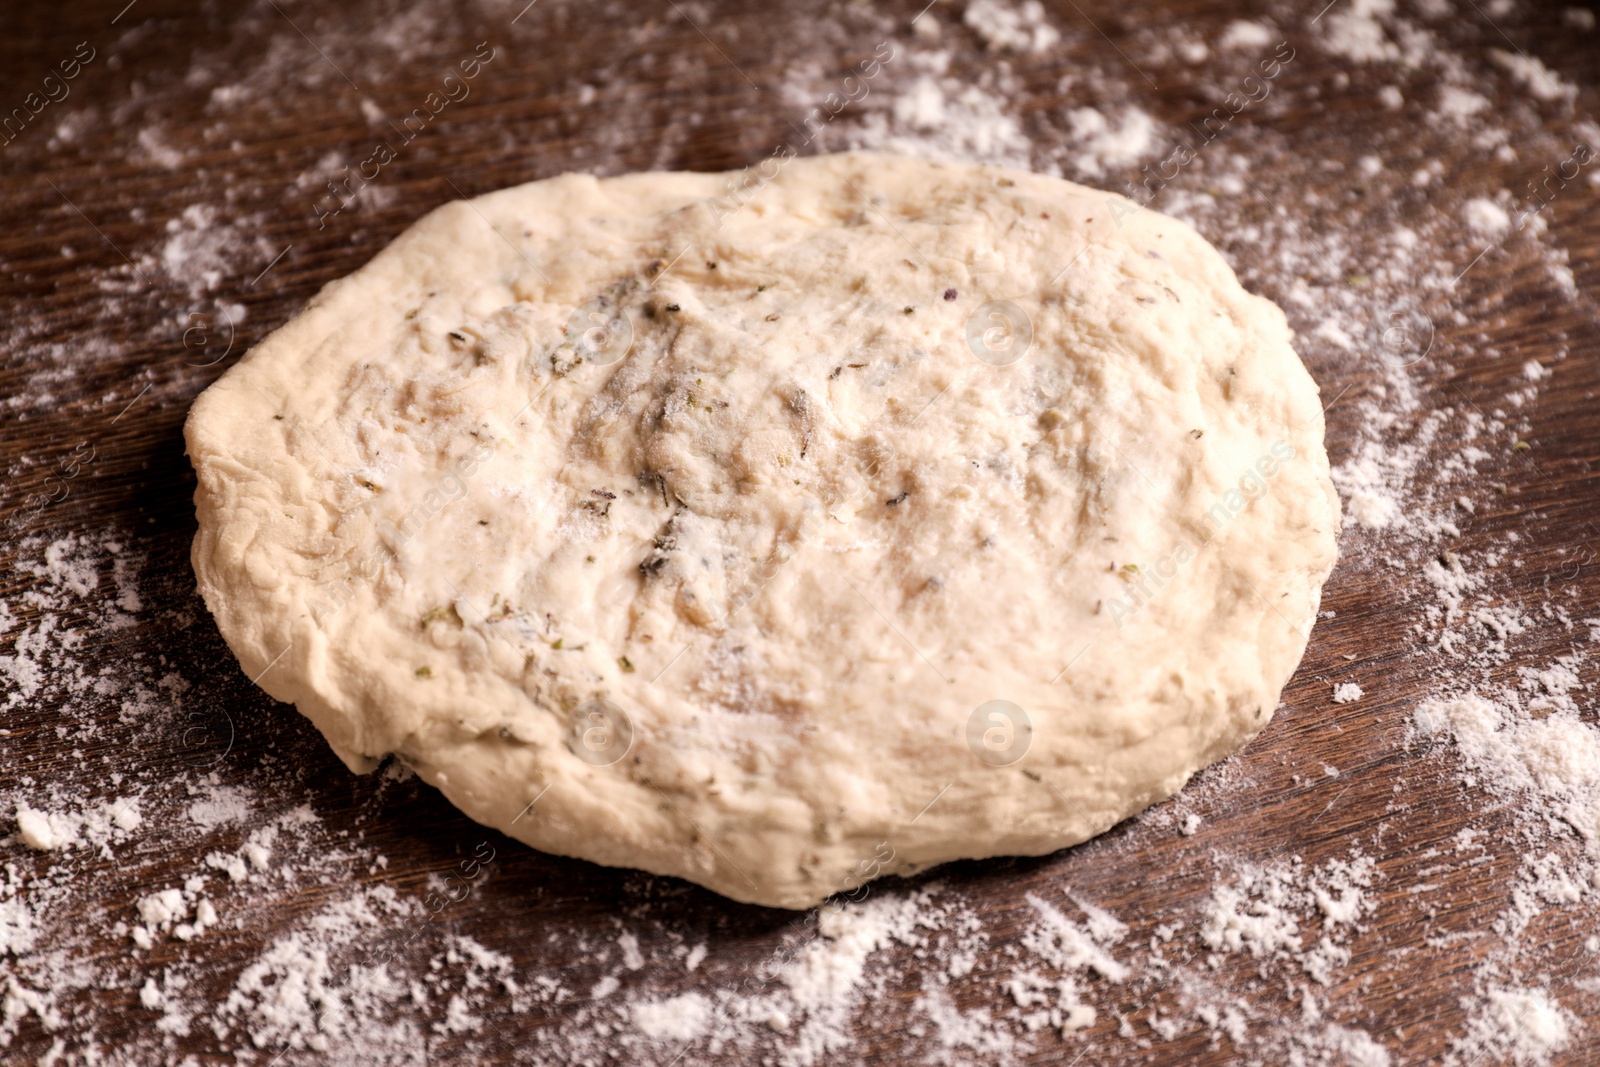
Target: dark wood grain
88, 300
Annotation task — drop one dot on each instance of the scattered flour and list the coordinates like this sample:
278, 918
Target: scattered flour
1531, 744
1243, 35
1103, 145
1525, 1026
1017, 27
1259, 959
1539, 80
681, 1018
1486, 217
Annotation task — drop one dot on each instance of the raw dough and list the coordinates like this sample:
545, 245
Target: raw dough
776, 530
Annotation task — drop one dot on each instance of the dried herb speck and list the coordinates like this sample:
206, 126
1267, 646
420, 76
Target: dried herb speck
438, 614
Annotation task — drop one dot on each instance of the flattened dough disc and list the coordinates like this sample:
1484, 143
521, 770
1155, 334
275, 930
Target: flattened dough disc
776, 530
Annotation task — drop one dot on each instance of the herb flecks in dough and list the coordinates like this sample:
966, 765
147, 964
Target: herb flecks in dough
759, 491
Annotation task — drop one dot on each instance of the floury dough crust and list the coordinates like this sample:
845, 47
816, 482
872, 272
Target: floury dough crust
682, 528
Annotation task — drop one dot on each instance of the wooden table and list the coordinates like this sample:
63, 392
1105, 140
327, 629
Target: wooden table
239, 114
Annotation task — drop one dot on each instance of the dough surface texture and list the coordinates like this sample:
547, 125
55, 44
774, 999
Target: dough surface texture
776, 530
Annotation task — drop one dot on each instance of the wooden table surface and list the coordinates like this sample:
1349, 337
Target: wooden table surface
200, 137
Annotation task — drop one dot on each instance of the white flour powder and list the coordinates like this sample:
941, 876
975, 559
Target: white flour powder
260, 946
